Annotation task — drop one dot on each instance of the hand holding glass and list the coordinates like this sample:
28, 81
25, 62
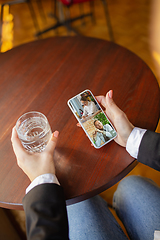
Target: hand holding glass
34, 131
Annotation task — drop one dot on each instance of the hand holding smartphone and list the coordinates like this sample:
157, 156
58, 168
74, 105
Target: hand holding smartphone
91, 117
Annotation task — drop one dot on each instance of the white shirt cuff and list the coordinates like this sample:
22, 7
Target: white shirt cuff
134, 141
156, 235
44, 178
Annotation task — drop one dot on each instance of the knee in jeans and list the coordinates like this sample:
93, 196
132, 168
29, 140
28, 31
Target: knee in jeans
128, 184
127, 188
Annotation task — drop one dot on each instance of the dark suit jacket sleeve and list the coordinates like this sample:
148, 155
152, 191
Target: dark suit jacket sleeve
149, 150
46, 215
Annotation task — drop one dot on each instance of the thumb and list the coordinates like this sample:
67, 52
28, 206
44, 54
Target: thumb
16, 143
109, 98
110, 104
105, 101
101, 100
52, 142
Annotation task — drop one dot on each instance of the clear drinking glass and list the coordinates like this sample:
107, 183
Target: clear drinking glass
34, 131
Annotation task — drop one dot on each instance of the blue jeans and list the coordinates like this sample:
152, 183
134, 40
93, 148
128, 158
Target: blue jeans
92, 220
137, 203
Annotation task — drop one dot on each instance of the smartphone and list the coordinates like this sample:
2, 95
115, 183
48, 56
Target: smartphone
91, 117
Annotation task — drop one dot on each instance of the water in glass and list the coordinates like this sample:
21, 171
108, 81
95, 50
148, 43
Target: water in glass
34, 133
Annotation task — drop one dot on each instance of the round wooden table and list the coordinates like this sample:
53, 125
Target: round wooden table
42, 76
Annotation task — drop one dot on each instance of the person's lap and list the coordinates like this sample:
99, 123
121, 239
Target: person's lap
91, 219
137, 203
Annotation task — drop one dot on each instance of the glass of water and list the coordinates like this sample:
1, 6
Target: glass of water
34, 131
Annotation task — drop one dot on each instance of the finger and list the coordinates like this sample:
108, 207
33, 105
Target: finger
101, 100
14, 134
110, 94
78, 125
52, 142
16, 143
111, 104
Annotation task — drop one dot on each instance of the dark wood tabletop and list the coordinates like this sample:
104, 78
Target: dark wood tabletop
42, 76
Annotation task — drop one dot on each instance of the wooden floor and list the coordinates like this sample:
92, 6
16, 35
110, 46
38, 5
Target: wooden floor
130, 23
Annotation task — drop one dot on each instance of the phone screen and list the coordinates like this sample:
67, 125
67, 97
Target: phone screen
93, 120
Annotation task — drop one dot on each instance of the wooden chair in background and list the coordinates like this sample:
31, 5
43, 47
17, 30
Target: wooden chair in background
63, 17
